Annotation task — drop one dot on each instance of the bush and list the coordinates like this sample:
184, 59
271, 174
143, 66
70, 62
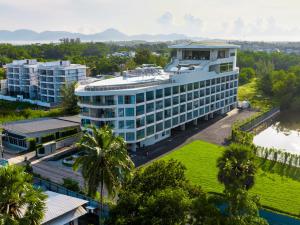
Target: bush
48, 137
32, 144
71, 184
68, 132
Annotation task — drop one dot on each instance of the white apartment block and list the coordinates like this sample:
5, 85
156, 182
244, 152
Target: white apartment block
53, 75
144, 105
22, 78
42, 81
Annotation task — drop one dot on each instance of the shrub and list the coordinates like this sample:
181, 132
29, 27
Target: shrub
48, 137
71, 184
32, 144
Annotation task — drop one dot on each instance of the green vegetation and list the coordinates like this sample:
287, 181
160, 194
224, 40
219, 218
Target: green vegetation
2, 74
200, 158
71, 184
106, 162
12, 111
94, 55
18, 195
69, 99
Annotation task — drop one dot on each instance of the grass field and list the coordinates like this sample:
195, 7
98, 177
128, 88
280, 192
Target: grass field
249, 92
275, 191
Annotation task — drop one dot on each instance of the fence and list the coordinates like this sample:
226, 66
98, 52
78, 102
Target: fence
50, 186
260, 119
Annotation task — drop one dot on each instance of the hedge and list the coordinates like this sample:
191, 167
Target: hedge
48, 138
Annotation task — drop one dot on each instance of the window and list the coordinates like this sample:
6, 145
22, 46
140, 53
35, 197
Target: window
159, 93
167, 102
121, 124
150, 130
189, 116
202, 84
196, 94
140, 110
182, 118
159, 127
120, 100
140, 122
150, 107
150, 119
182, 98
207, 92
202, 93
149, 95
232, 54
167, 113
159, 116
189, 106
195, 113
182, 88
159, 105
130, 136
175, 111
190, 96
121, 112
175, 90
140, 98
129, 124
207, 83
175, 121
140, 134
175, 100
129, 99
167, 91
196, 85
129, 111
196, 104
190, 87
182, 108
167, 124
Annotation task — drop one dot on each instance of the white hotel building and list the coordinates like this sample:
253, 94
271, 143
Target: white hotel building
144, 105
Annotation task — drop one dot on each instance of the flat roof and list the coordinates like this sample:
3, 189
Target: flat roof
39, 125
57, 205
127, 80
203, 45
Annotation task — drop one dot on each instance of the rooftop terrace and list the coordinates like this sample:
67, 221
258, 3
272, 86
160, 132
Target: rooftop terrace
203, 45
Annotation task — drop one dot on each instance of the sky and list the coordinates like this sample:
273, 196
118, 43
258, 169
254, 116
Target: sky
263, 20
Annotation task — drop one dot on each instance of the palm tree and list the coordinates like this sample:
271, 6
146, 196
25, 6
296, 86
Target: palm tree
106, 161
20, 202
237, 168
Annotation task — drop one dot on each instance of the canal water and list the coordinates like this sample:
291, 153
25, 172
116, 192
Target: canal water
283, 134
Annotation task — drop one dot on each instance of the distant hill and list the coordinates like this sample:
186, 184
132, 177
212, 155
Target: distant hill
106, 35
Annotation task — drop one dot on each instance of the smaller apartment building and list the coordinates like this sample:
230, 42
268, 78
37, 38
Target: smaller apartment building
42, 81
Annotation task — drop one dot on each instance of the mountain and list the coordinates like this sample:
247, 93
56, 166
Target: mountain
106, 35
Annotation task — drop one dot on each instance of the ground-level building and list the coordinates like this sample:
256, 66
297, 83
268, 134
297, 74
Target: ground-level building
17, 135
63, 210
145, 104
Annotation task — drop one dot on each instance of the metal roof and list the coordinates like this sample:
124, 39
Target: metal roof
61, 209
26, 127
204, 45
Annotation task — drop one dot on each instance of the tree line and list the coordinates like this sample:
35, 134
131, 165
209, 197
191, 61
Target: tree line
94, 55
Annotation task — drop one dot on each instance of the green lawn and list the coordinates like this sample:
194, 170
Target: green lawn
200, 159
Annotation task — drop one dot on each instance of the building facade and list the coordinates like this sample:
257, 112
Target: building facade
30, 79
22, 78
53, 75
144, 105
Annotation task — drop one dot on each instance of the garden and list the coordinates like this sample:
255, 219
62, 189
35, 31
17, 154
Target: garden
276, 190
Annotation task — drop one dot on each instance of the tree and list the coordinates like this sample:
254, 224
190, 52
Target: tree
160, 194
71, 184
20, 202
236, 171
142, 56
246, 75
236, 167
2, 74
106, 162
69, 99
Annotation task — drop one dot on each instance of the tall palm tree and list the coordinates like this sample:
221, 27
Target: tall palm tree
106, 161
237, 167
20, 202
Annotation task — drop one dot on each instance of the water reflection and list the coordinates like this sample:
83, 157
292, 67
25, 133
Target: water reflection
283, 134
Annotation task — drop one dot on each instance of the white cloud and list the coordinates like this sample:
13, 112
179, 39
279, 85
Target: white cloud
261, 20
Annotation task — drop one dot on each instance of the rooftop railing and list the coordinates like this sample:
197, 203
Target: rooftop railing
127, 86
